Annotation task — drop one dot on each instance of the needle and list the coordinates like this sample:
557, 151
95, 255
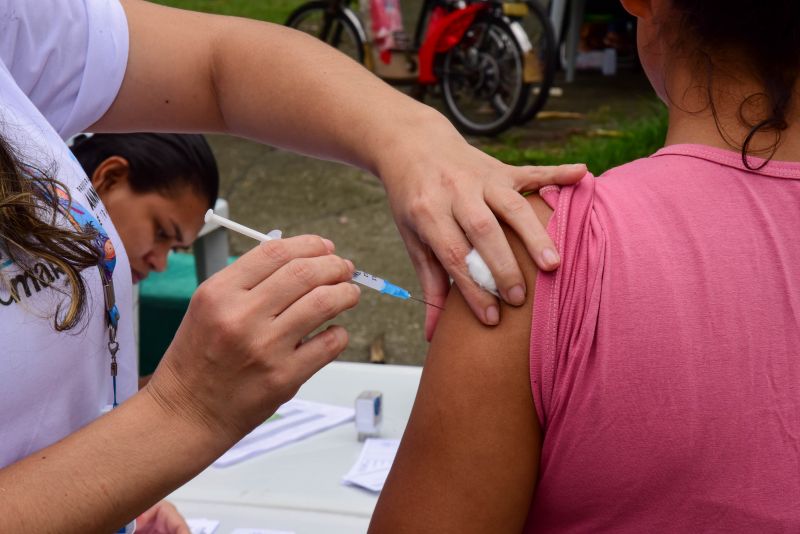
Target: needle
426, 302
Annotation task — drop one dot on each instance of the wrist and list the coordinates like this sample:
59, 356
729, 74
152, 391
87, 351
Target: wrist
409, 137
177, 405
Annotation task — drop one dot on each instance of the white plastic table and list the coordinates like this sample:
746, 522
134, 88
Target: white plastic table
298, 488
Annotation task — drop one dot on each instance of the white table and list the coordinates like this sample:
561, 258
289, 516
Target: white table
298, 488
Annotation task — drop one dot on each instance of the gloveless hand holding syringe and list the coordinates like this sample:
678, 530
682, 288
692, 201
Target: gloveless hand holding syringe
477, 267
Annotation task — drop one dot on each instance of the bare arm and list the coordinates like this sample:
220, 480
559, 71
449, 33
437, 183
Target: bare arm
103, 476
195, 72
240, 352
469, 458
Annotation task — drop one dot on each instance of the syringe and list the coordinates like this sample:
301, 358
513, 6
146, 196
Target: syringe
360, 277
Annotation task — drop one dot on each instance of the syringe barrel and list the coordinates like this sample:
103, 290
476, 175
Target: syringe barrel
368, 280
379, 284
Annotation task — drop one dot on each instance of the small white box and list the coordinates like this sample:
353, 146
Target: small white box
369, 414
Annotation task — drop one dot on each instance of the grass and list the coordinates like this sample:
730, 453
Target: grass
269, 10
600, 149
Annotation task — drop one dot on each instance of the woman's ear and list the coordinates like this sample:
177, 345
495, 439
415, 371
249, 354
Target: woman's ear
111, 172
638, 8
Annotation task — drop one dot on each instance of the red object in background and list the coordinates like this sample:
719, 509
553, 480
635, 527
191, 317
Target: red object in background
386, 21
445, 30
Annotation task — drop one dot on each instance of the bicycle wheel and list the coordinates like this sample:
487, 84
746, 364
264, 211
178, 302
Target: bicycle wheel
329, 24
482, 78
540, 32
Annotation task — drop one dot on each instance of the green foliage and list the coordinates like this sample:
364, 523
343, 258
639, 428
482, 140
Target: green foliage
600, 149
269, 10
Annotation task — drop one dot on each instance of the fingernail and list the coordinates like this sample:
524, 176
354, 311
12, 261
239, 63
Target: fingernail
550, 258
516, 295
350, 265
576, 167
329, 244
492, 315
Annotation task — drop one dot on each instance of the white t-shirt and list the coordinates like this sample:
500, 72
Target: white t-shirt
61, 66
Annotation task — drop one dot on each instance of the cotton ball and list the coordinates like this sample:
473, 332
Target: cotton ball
480, 272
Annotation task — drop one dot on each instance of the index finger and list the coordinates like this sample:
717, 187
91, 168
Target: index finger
451, 248
534, 177
262, 261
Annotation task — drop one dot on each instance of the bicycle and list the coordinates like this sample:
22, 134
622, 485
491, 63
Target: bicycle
477, 54
543, 55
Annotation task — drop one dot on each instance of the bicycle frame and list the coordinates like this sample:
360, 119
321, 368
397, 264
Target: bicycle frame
475, 52
444, 34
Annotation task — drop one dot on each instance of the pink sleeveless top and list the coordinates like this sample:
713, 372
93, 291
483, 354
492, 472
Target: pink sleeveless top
665, 352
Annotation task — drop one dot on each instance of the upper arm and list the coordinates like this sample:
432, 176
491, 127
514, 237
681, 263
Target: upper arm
168, 83
469, 457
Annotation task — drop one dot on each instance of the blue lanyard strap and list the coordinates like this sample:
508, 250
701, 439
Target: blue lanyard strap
81, 218
112, 318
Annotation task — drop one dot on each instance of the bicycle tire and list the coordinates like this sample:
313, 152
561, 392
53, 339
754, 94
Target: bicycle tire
542, 37
483, 74
327, 24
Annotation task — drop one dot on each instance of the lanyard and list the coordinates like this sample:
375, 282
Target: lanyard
83, 219
112, 319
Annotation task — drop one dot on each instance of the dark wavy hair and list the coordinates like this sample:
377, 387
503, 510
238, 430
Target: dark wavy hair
764, 36
159, 162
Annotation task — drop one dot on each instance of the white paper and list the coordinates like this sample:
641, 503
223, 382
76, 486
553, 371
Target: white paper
373, 464
297, 419
199, 525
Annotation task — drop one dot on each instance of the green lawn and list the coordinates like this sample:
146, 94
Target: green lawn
600, 150
270, 10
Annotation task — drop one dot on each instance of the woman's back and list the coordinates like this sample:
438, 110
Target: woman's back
661, 362
664, 352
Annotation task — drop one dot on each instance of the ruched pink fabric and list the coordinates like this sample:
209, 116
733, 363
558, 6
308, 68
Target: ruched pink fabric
665, 352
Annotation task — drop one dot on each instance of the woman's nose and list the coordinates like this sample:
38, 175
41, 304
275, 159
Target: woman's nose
157, 260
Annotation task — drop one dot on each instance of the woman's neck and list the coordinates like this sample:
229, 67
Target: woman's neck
693, 120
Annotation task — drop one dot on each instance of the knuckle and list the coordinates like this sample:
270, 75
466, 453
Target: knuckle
276, 251
420, 207
278, 381
541, 173
449, 181
334, 340
514, 204
209, 296
344, 270
227, 328
204, 294
505, 269
479, 225
323, 301
302, 270
354, 294
454, 255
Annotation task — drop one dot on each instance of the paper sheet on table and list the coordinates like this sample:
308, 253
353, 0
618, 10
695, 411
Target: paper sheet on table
200, 525
372, 467
295, 420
